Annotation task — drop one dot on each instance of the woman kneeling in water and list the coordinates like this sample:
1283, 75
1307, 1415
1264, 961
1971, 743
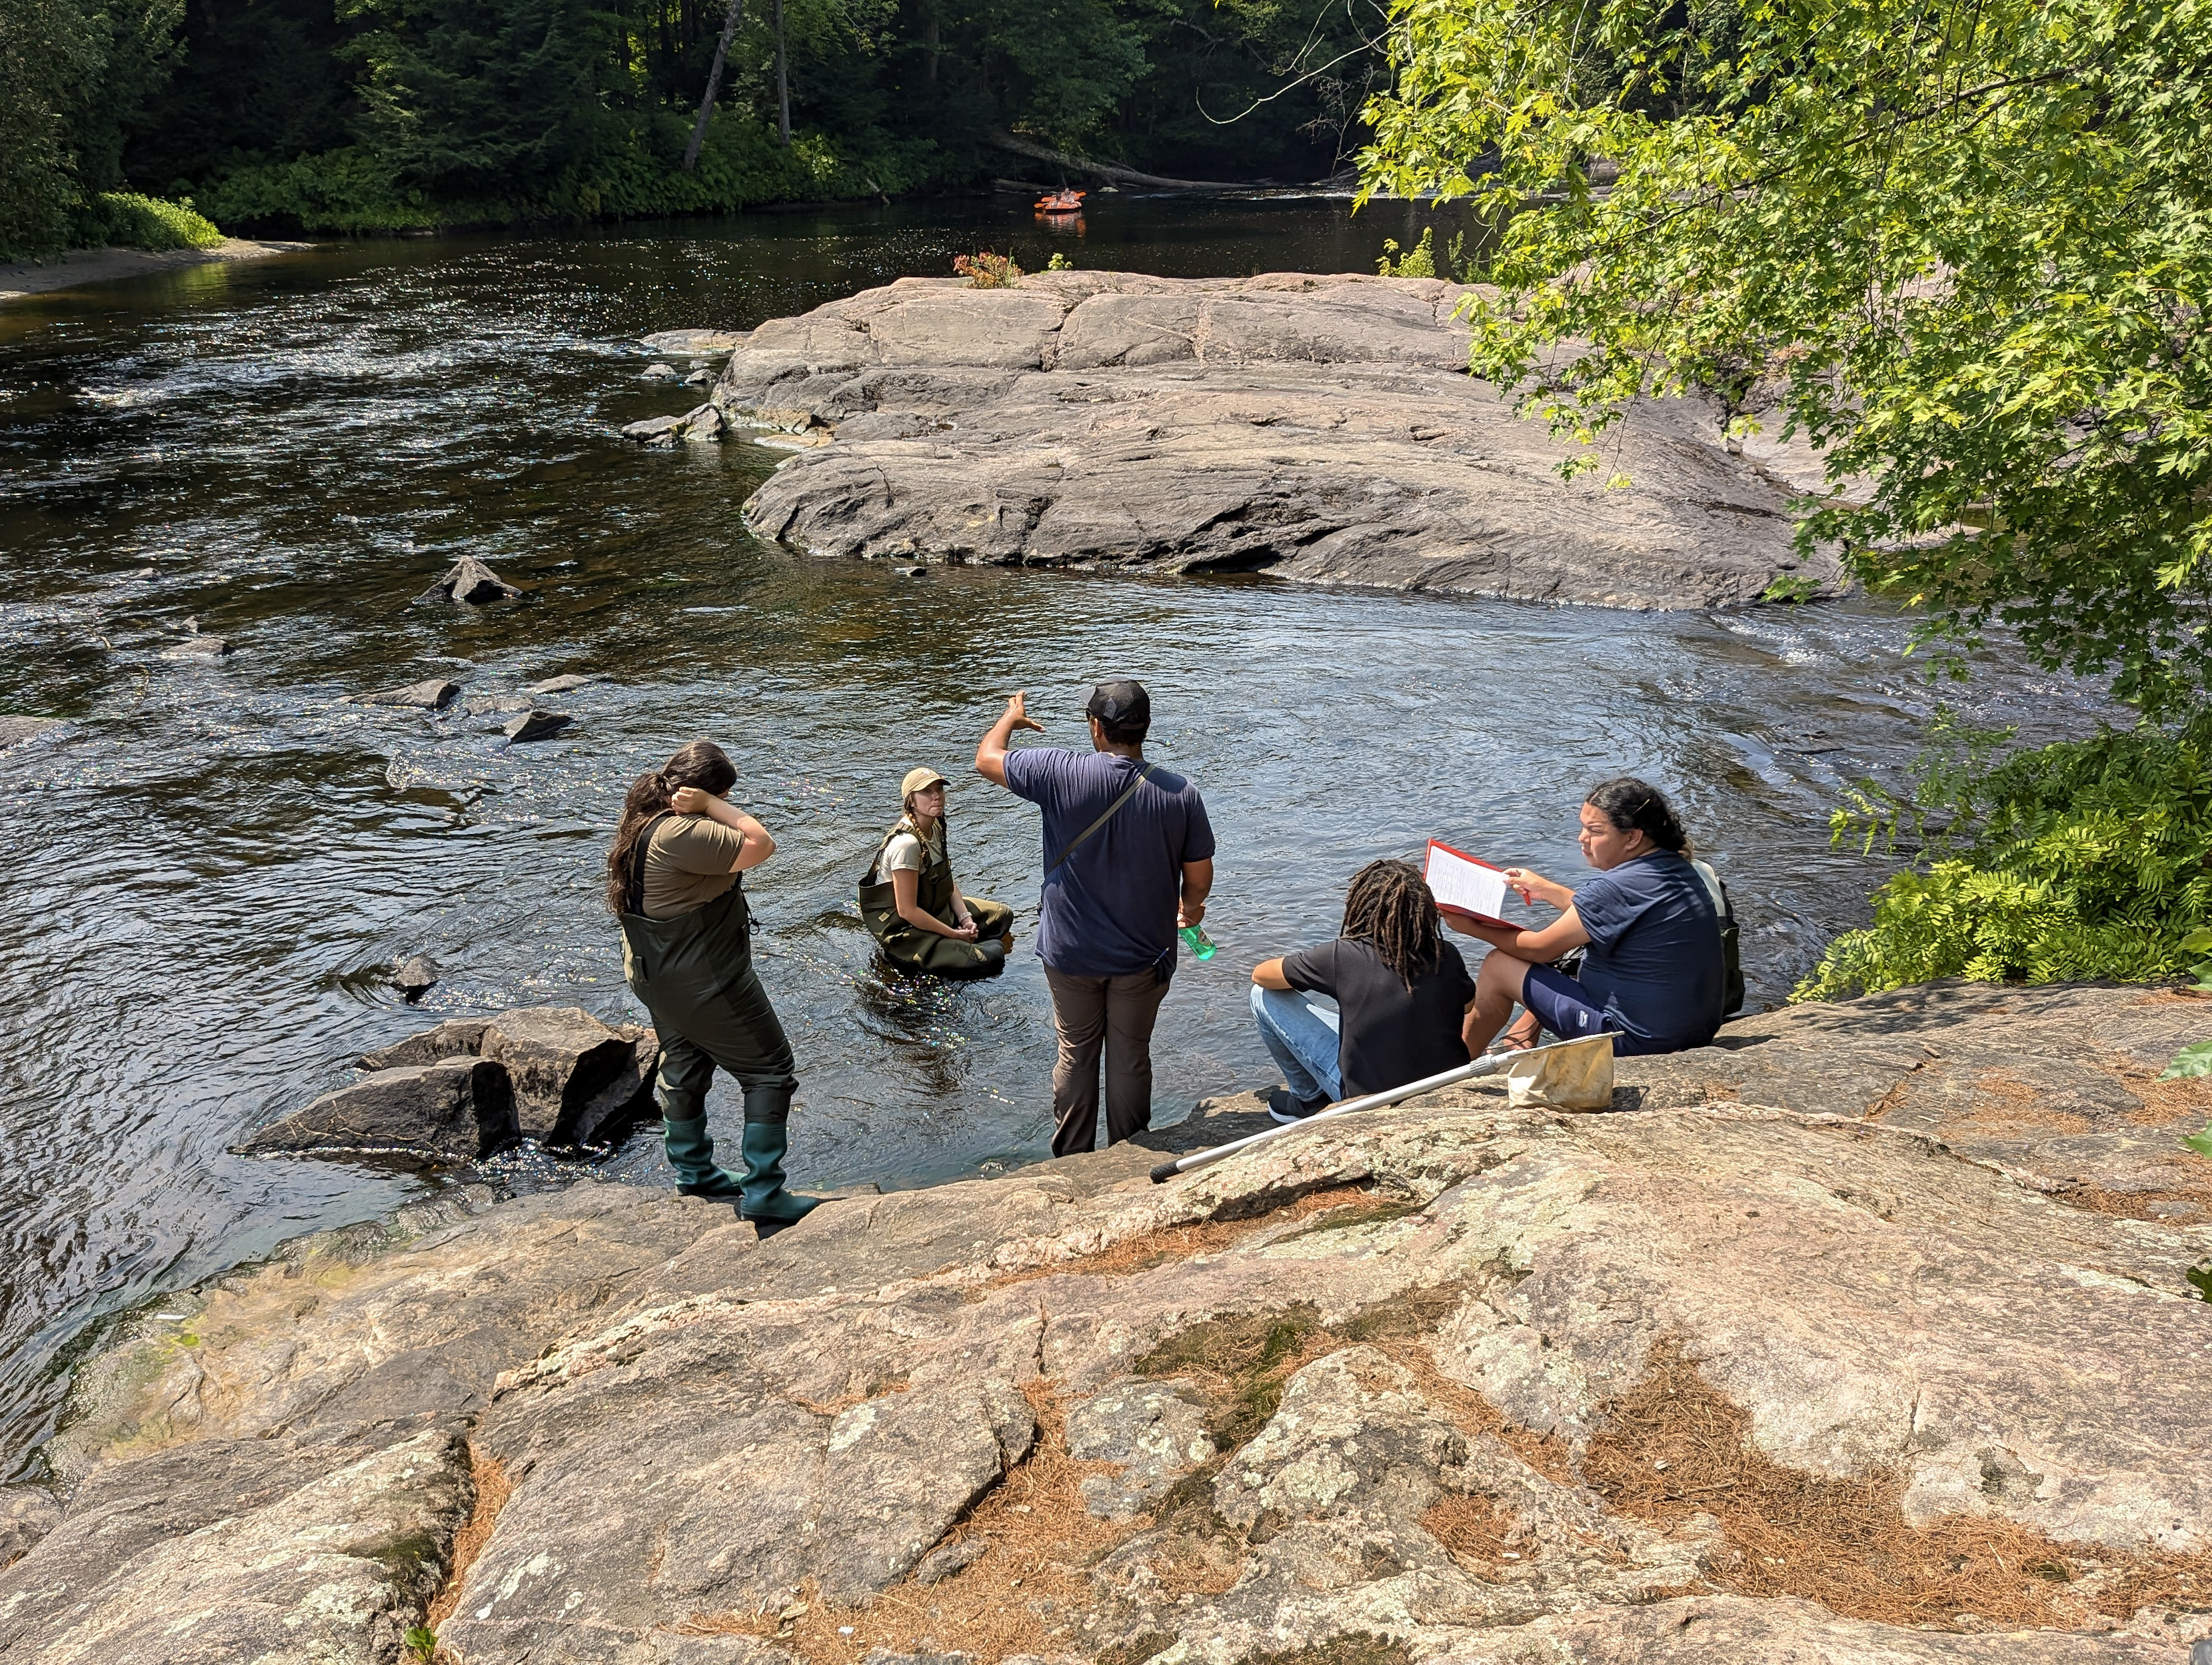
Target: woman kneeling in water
673, 879
911, 901
1654, 973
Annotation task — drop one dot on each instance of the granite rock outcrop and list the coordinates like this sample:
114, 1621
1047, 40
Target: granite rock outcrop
1746, 1369
1317, 428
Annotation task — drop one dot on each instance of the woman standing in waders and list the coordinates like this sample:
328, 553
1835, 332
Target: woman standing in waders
673, 879
911, 902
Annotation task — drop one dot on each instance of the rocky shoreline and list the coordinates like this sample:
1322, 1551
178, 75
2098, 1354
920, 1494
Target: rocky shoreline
1874, 1334
1317, 428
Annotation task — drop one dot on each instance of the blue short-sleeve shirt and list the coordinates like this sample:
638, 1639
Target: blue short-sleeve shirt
1655, 961
1109, 908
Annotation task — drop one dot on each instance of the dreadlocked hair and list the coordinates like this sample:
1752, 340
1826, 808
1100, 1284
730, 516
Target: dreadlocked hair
702, 764
1389, 906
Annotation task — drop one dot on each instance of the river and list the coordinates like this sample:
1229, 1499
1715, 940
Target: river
213, 861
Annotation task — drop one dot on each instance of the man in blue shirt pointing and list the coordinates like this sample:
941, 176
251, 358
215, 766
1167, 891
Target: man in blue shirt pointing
1128, 861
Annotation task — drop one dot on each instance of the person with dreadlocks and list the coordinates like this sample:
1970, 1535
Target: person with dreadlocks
674, 880
1404, 1000
1656, 975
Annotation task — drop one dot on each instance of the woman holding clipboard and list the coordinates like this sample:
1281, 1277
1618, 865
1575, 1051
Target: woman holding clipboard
1655, 973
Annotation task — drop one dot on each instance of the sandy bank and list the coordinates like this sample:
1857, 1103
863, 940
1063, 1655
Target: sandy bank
78, 267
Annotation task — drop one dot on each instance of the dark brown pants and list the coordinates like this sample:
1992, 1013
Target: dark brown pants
1114, 1015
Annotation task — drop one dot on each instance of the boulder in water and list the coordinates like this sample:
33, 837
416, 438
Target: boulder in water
496, 705
536, 725
564, 1064
559, 684
414, 976
470, 583
433, 693
453, 1038
454, 1110
661, 372
654, 430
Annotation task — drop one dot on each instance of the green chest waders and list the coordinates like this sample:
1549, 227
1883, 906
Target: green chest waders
933, 894
694, 974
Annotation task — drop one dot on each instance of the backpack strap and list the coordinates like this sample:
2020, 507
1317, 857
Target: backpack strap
1144, 774
636, 896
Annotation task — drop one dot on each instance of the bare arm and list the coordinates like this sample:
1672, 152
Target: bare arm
1197, 885
991, 750
1268, 974
1537, 948
757, 847
906, 886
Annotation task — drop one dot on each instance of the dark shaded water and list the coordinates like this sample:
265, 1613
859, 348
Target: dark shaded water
209, 866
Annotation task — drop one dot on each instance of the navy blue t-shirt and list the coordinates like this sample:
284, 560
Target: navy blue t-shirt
1655, 958
1109, 908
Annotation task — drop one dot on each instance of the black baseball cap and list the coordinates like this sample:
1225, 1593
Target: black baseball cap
1122, 700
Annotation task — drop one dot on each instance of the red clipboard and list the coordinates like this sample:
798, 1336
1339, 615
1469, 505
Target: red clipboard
1472, 861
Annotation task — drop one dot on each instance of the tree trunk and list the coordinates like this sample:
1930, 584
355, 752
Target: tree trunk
929, 47
782, 86
713, 84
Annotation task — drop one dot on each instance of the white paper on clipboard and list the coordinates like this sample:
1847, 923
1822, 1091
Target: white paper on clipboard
1459, 880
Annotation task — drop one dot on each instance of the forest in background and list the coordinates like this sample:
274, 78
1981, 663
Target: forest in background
381, 115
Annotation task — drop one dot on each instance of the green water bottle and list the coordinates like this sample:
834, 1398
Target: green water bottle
1195, 939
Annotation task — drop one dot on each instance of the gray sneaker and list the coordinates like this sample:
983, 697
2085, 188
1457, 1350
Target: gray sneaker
1283, 1108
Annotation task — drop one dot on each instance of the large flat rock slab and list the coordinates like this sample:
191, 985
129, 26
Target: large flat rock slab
1455, 1380
1319, 428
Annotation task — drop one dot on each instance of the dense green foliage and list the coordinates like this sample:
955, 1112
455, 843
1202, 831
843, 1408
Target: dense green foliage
1965, 248
2090, 859
145, 222
380, 114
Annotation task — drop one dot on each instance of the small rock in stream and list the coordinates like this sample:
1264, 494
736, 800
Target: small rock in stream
699, 377
15, 730
661, 372
654, 430
197, 646
558, 684
536, 725
910, 571
470, 583
489, 704
683, 343
414, 976
433, 693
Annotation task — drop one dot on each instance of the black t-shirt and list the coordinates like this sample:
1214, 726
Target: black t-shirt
1387, 1034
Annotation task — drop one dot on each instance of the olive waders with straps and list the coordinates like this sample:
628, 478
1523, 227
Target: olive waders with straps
694, 974
934, 886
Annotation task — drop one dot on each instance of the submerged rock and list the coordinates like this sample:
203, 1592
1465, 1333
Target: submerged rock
535, 725
561, 684
15, 730
197, 646
1321, 428
456, 1110
1452, 1381
469, 583
498, 705
433, 693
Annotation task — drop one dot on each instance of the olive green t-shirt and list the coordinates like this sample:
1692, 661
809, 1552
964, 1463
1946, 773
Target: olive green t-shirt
687, 865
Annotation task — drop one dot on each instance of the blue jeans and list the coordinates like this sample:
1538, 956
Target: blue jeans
1301, 1039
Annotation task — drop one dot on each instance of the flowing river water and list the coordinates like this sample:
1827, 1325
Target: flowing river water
213, 863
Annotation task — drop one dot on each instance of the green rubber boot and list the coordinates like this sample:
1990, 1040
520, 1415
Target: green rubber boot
766, 1202
691, 1154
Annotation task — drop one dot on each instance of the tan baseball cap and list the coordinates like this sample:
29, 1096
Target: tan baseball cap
916, 780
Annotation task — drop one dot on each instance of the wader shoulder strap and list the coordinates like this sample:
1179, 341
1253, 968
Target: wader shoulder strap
1144, 774
636, 898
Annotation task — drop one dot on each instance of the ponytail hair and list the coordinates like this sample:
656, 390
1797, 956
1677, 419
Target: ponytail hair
702, 764
1634, 807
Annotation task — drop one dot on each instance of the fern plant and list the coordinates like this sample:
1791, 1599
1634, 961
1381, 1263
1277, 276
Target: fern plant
2089, 860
